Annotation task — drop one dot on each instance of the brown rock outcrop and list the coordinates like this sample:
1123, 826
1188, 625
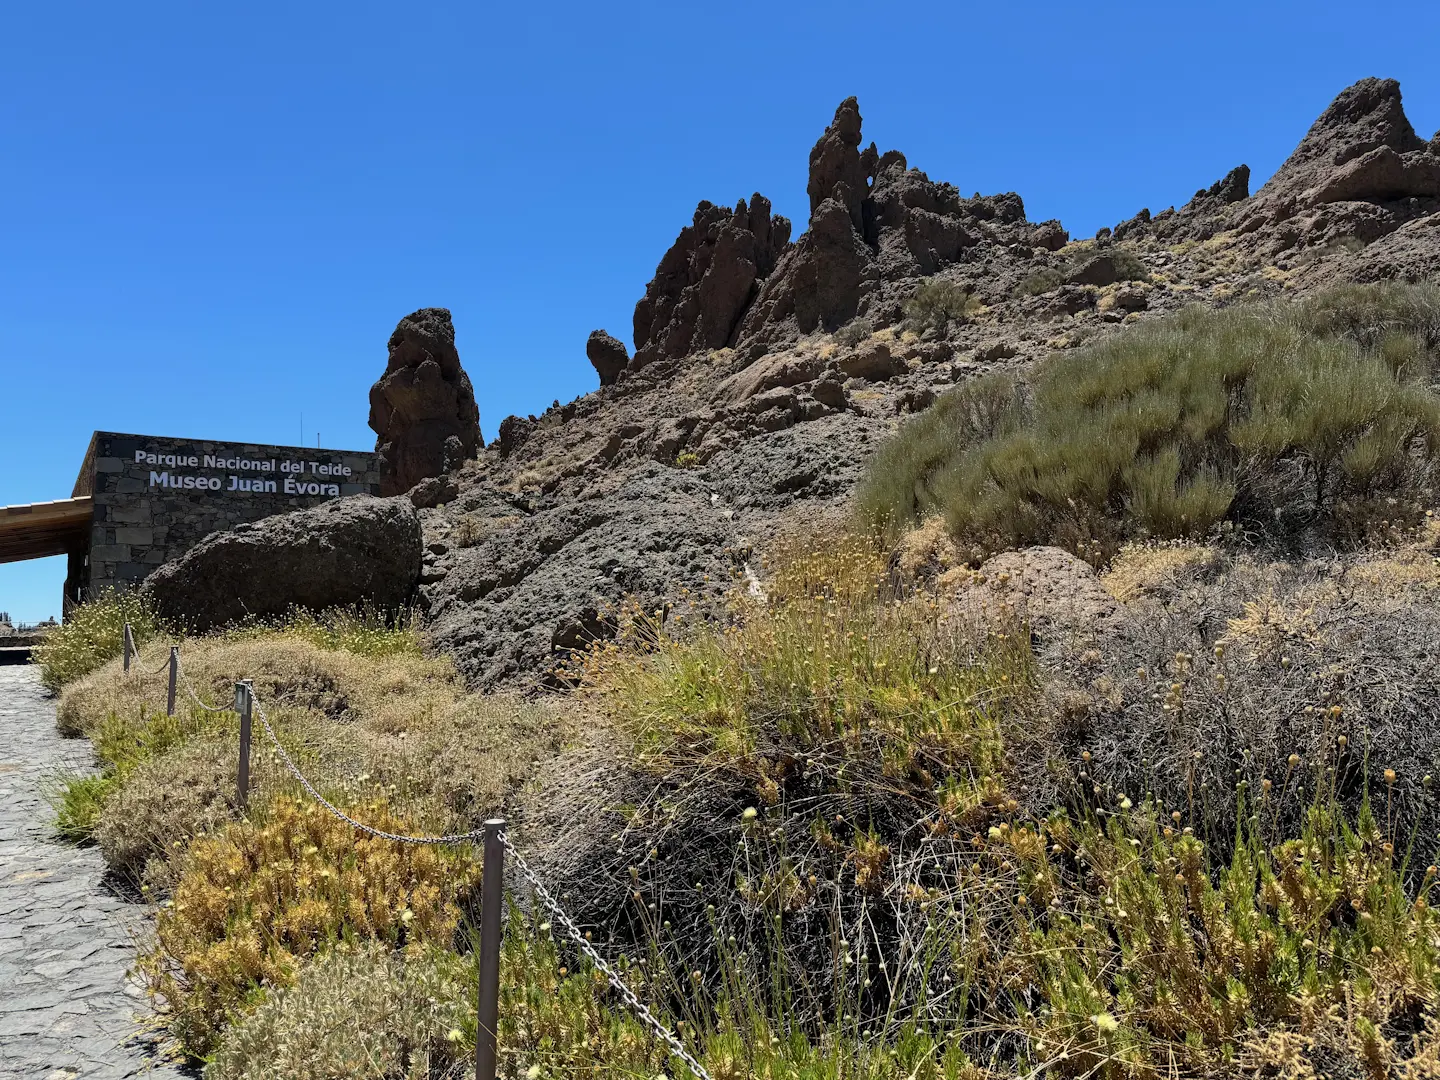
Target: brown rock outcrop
423, 409
820, 280
732, 278
837, 169
707, 279
1360, 171
1410, 253
1363, 117
1050, 235
875, 224
1383, 175
607, 355
872, 361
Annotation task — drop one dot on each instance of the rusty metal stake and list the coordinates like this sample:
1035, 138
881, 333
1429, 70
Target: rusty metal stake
174, 674
244, 695
127, 646
492, 897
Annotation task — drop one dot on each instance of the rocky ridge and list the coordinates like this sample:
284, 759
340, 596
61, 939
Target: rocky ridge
765, 371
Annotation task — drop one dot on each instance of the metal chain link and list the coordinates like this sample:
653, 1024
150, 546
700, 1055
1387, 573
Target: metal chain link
185, 680
159, 669
640, 1008
454, 838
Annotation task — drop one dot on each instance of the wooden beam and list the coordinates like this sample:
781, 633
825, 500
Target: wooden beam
36, 530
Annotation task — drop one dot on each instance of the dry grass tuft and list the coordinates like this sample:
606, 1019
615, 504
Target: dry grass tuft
1147, 569
90, 635
163, 804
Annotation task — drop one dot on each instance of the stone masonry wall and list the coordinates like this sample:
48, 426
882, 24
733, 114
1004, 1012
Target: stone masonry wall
157, 497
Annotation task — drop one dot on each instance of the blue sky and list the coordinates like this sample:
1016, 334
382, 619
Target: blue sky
212, 216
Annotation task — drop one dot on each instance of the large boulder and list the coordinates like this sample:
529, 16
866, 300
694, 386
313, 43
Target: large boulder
423, 409
607, 354
359, 550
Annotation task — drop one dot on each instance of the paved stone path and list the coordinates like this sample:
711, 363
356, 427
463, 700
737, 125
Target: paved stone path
67, 1009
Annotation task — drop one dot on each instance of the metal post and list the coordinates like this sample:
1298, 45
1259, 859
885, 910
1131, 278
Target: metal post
174, 673
492, 897
127, 645
243, 697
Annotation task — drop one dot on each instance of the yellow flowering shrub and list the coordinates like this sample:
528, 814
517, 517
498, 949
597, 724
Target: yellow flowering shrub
262, 895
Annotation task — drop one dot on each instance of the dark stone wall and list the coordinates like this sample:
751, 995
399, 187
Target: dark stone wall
156, 497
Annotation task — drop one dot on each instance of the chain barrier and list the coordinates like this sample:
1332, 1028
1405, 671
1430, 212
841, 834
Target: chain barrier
671, 1040
304, 781
547, 900
185, 681
159, 669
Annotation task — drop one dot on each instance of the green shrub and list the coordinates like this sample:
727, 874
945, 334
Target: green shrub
91, 634
1369, 314
78, 800
1040, 281
365, 1011
854, 332
1285, 420
897, 484
937, 303
1128, 267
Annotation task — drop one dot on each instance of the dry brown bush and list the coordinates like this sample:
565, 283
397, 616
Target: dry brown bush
164, 804
1234, 664
371, 1011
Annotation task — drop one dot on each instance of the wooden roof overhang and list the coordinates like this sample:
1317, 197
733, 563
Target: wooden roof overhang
35, 530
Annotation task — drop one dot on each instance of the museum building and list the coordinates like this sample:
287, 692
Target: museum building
142, 500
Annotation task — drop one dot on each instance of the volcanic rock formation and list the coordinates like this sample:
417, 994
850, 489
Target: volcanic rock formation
786, 364
423, 408
1360, 173
875, 225
707, 279
607, 355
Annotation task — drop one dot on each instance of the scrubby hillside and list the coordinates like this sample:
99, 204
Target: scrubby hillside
944, 649
766, 372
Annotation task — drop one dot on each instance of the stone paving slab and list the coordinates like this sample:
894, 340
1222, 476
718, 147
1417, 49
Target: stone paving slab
67, 1007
